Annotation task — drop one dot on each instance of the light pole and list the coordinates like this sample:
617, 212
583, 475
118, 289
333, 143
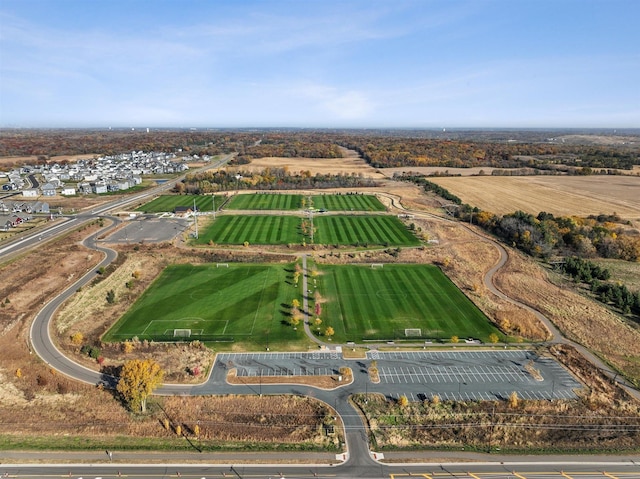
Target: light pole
238, 178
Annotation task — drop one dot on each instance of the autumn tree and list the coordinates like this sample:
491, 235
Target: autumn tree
138, 379
329, 332
403, 401
494, 338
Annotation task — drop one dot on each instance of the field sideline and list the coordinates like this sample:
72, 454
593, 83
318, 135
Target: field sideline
216, 303
363, 303
250, 302
276, 230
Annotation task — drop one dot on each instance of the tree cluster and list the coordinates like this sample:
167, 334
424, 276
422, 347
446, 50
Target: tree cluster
394, 151
268, 179
288, 145
614, 294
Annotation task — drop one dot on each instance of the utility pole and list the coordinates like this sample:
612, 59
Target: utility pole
195, 216
213, 201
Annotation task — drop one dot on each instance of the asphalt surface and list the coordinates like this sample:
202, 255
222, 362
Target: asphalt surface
492, 373
597, 467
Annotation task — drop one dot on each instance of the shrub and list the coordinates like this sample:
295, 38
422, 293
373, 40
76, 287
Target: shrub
77, 338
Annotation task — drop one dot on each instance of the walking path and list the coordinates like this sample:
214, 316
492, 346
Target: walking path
355, 431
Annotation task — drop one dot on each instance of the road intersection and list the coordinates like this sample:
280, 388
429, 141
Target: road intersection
466, 375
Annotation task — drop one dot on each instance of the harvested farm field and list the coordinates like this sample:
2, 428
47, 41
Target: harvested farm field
351, 163
559, 195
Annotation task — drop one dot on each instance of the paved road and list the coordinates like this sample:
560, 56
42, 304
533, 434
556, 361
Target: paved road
33, 238
593, 467
359, 462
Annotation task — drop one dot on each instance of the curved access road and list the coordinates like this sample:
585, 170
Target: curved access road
357, 461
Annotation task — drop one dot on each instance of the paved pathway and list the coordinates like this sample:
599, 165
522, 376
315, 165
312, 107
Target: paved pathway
357, 444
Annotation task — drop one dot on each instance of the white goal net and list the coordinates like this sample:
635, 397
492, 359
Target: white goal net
222, 265
376, 265
181, 333
413, 332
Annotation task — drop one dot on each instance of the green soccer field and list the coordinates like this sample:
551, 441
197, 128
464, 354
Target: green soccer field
168, 203
265, 201
396, 302
241, 302
362, 230
277, 201
262, 229
347, 203
339, 229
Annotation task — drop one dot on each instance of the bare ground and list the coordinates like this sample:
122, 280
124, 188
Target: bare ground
38, 401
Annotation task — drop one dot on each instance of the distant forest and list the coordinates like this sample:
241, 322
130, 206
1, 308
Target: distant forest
532, 151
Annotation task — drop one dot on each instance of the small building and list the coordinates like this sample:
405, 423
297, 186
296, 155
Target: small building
68, 191
31, 193
48, 189
183, 211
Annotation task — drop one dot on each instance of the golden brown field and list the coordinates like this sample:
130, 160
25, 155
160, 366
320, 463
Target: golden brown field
351, 163
560, 195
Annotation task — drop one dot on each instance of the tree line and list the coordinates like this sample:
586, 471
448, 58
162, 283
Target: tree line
547, 237
614, 294
267, 179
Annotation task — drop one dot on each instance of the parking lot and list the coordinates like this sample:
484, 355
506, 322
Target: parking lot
149, 229
420, 375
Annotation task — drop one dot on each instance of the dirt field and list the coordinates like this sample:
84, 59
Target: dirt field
36, 401
560, 195
11, 161
351, 163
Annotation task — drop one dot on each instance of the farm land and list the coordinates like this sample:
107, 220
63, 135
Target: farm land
36, 402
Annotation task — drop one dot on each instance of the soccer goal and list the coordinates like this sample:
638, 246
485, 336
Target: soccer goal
376, 265
413, 332
181, 333
222, 265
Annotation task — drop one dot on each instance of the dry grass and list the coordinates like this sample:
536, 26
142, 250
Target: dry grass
352, 163
579, 318
528, 426
322, 382
560, 195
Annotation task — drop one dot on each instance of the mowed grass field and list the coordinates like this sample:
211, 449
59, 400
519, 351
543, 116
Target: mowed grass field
241, 303
361, 230
274, 230
276, 201
363, 303
257, 229
347, 203
265, 201
168, 203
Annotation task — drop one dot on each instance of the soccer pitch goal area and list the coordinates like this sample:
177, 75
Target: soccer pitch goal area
207, 303
397, 302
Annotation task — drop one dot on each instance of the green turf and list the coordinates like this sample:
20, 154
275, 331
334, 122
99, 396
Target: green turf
347, 203
276, 201
168, 203
243, 302
379, 304
265, 201
362, 230
263, 229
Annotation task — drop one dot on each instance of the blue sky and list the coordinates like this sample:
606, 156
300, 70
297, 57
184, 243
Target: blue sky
320, 63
